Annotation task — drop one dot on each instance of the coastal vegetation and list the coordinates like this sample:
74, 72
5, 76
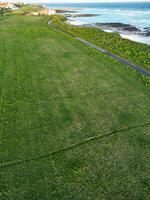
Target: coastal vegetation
74, 123
135, 52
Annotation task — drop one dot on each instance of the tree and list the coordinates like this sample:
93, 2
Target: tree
2, 11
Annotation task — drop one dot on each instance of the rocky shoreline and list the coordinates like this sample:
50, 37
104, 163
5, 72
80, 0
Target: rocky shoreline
110, 27
127, 28
119, 26
60, 11
84, 15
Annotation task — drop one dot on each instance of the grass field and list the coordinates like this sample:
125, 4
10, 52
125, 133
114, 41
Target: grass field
55, 93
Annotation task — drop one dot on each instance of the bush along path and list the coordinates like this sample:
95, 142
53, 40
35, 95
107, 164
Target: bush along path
124, 50
122, 60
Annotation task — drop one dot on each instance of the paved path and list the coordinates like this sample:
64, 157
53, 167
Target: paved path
122, 60
138, 68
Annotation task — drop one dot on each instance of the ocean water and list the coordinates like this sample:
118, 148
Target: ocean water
136, 14
131, 5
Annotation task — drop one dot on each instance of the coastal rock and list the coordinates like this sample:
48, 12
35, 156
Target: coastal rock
121, 26
59, 11
85, 15
147, 28
147, 33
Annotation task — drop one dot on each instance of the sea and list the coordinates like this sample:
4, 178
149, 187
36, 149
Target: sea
136, 14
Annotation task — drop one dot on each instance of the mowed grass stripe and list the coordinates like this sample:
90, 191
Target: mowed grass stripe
31, 135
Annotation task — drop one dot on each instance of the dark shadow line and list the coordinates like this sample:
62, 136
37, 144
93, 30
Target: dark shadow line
65, 149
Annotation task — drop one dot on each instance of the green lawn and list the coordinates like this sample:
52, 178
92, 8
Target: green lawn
54, 93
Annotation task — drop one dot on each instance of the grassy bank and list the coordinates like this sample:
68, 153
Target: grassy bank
133, 51
54, 93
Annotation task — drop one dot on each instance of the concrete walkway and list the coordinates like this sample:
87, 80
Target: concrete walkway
137, 68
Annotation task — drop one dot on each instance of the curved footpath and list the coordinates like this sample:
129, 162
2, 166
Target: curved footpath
138, 68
